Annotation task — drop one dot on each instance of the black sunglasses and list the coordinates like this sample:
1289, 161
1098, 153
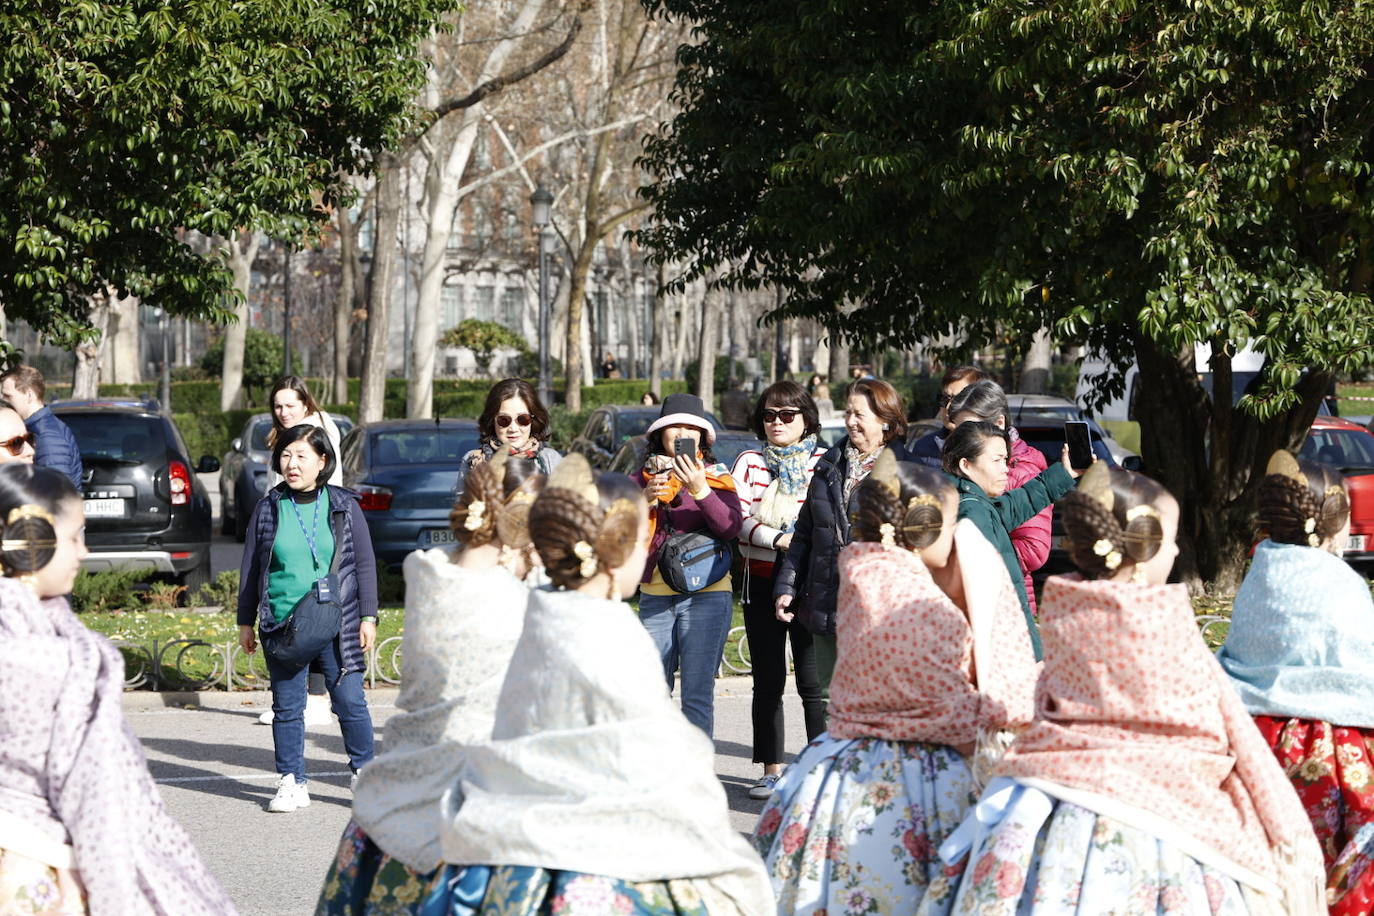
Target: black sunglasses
16, 445
503, 420
786, 415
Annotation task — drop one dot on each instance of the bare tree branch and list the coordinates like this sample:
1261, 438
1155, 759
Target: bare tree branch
495, 85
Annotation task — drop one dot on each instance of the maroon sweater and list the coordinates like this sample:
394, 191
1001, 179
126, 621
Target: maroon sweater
719, 513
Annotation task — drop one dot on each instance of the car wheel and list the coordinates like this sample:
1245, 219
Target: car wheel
227, 523
193, 579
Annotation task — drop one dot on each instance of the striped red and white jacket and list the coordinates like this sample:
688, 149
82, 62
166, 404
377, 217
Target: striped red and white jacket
752, 477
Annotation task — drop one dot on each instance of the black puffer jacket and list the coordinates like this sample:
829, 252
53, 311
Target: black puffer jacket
811, 570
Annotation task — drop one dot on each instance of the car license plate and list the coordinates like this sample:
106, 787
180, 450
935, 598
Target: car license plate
1355, 544
103, 508
438, 536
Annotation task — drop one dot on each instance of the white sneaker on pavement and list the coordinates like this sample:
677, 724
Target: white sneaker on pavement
290, 796
266, 718
763, 789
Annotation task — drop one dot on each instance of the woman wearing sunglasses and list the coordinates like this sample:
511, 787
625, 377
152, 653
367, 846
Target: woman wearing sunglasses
514, 420
16, 442
772, 483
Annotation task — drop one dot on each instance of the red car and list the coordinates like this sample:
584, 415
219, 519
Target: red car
1349, 447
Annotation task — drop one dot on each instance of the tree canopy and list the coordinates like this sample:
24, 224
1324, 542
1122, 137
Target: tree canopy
1139, 177
126, 123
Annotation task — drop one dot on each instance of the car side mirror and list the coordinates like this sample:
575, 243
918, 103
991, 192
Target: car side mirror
1133, 463
236, 445
208, 464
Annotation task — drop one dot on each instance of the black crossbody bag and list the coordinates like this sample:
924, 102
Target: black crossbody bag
314, 621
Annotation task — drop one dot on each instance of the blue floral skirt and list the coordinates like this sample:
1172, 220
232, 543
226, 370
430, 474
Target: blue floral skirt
1045, 856
364, 881
854, 824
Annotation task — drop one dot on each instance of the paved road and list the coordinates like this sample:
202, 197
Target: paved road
213, 764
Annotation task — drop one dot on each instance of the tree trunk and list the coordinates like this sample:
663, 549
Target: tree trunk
1035, 368
660, 336
372, 398
573, 370
707, 345
119, 358
345, 301
839, 368
1179, 426
86, 375
240, 252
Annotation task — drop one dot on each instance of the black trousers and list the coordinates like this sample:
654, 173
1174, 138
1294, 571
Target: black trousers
768, 654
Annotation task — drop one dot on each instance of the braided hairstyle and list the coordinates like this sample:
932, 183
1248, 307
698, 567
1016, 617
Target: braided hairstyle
1110, 518
583, 524
31, 497
902, 501
1302, 502
503, 487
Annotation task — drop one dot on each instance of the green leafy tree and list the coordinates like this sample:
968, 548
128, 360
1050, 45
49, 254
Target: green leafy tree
1140, 178
483, 338
124, 123
262, 361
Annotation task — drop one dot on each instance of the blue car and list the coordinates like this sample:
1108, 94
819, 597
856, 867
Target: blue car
407, 474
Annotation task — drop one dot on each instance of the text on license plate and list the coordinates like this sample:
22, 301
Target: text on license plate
1355, 544
439, 536
103, 508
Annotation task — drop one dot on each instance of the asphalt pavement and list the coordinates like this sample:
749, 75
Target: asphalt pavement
213, 765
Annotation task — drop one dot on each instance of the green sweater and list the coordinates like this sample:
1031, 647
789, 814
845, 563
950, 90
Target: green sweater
292, 571
997, 517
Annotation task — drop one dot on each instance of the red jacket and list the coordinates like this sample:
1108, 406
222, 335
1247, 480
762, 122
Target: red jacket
1031, 541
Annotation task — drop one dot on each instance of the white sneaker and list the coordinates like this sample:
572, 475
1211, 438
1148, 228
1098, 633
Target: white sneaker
290, 795
317, 711
266, 718
763, 789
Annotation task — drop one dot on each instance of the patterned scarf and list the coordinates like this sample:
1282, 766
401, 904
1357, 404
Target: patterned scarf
787, 464
531, 452
857, 467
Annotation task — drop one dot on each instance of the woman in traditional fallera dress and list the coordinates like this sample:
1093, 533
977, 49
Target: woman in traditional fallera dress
594, 794
1142, 786
82, 827
464, 614
1300, 652
933, 655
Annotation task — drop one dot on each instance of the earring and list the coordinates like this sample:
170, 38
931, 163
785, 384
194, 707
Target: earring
884, 427
1138, 577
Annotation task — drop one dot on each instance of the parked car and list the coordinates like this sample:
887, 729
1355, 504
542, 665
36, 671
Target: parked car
1040, 419
610, 425
406, 472
145, 508
732, 443
1350, 447
243, 472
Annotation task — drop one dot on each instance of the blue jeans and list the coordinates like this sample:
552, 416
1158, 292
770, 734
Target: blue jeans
288, 711
690, 631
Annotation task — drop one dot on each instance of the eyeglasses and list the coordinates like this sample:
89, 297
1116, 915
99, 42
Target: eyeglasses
503, 420
944, 399
786, 415
16, 445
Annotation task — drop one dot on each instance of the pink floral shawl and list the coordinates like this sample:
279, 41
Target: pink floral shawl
74, 773
909, 667
1132, 706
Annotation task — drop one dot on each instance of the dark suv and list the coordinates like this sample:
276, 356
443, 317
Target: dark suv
145, 509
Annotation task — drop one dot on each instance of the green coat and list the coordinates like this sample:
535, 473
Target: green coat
997, 517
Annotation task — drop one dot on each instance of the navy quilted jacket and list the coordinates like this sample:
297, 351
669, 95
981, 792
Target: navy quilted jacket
54, 445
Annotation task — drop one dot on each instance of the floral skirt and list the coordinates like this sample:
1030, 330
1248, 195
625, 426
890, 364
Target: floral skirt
854, 824
1045, 856
1332, 769
29, 887
364, 881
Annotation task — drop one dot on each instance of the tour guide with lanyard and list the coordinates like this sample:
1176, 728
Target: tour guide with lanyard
315, 619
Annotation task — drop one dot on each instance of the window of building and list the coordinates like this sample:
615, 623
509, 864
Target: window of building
450, 305
513, 308
486, 303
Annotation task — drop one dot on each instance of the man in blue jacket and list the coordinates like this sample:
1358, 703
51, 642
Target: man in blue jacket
54, 447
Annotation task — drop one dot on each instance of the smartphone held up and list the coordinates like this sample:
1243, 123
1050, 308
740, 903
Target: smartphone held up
1079, 440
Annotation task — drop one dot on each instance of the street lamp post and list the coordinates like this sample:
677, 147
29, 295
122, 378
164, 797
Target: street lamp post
542, 203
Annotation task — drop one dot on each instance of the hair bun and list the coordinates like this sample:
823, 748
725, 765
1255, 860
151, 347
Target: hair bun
28, 540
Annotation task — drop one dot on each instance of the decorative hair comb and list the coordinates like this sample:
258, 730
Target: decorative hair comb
1284, 464
885, 471
1096, 483
575, 474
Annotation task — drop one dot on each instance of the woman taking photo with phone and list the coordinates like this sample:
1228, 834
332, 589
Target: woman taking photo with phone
512, 419
309, 556
82, 827
688, 493
772, 485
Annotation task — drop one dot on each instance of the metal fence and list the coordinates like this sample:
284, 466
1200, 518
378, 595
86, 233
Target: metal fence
182, 664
